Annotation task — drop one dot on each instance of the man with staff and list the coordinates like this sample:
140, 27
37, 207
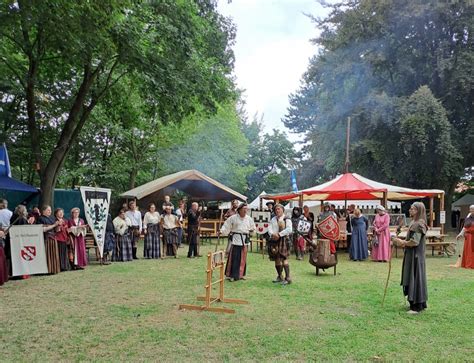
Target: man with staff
194, 216
238, 227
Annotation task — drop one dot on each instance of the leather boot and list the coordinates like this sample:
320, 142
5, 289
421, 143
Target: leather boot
134, 253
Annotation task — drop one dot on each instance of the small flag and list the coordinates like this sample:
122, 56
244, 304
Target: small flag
294, 187
4, 162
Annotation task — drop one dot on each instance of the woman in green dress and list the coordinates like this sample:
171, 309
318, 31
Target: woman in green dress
414, 269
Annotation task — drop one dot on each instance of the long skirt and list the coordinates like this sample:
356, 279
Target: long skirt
151, 248
382, 251
134, 236
170, 239
468, 250
109, 244
123, 248
80, 253
180, 235
236, 266
3, 267
52, 255
63, 256
358, 249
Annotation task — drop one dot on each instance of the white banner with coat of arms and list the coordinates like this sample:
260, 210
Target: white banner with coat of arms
96, 208
27, 250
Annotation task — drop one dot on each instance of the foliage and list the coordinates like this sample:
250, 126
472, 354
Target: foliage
271, 156
61, 59
373, 56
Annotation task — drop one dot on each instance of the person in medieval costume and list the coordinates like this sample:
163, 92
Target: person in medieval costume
62, 236
194, 217
77, 229
123, 245
51, 245
467, 258
297, 240
135, 217
151, 228
109, 242
233, 210
280, 230
181, 213
414, 270
359, 250
170, 223
381, 249
326, 212
238, 227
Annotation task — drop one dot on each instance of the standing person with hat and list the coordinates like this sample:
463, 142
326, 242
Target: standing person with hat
381, 249
271, 208
238, 227
280, 230
136, 228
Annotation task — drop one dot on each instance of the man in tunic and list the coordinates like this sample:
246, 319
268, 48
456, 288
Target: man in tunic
280, 230
136, 228
232, 210
194, 215
238, 227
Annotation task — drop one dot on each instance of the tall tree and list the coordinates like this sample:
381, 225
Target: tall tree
65, 56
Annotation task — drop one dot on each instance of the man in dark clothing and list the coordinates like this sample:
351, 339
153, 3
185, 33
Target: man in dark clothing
194, 215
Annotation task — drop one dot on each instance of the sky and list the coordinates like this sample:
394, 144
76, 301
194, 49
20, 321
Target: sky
272, 52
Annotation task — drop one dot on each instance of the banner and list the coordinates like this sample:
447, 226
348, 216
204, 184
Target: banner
262, 220
96, 208
329, 228
4, 162
27, 250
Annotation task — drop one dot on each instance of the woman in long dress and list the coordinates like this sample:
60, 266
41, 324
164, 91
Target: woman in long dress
123, 243
381, 251
51, 245
78, 240
414, 269
467, 260
62, 236
151, 228
358, 250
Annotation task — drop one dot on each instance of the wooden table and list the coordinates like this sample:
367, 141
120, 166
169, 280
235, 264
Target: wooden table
206, 234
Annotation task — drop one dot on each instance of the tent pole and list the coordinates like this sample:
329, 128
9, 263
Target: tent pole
300, 200
431, 211
261, 202
441, 209
384, 201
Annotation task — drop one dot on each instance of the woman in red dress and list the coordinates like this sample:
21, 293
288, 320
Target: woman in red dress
467, 260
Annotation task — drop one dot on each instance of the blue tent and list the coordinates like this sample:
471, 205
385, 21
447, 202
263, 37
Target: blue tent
6, 180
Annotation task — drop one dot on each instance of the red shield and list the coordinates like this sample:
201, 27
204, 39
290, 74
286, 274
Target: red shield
329, 228
28, 253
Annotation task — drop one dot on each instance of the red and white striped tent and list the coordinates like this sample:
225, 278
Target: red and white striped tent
352, 186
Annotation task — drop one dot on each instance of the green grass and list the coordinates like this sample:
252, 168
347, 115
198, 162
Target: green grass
129, 311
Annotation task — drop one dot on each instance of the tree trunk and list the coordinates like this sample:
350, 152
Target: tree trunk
48, 181
133, 178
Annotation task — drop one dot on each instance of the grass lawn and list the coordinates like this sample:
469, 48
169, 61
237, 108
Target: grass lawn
129, 311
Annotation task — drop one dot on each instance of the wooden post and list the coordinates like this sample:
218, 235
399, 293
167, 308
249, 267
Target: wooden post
348, 136
441, 209
384, 200
300, 200
261, 202
431, 212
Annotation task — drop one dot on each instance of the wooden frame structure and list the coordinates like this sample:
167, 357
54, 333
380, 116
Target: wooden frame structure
215, 261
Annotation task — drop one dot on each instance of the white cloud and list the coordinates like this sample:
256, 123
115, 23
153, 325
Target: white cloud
272, 51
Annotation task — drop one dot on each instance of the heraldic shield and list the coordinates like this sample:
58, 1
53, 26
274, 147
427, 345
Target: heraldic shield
329, 228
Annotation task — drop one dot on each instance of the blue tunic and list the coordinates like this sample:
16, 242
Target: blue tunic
359, 249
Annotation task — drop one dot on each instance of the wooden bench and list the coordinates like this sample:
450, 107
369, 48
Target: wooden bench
90, 244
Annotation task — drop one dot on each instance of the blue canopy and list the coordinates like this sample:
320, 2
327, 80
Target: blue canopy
7, 183
6, 180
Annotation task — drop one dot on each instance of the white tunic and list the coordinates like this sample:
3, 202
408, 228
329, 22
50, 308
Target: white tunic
170, 221
121, 225
135, 217
151, 218
239, 226
273, 227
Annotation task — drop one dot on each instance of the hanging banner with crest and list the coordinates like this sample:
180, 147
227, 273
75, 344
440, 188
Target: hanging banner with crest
262, 221
96, 208
27, 250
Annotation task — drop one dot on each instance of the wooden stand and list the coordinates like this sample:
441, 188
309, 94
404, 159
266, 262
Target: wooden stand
214, 261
